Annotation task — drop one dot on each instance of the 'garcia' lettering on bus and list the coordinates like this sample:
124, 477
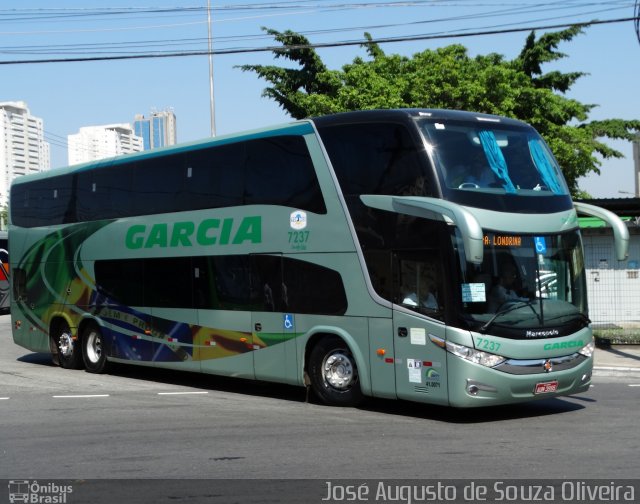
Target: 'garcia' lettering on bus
564, 344
186, 233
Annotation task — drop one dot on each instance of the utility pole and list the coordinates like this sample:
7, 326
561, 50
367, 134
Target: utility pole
212, 106
636, 164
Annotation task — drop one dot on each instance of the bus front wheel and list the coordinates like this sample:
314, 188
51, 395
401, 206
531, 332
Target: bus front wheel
95, 359
334, 374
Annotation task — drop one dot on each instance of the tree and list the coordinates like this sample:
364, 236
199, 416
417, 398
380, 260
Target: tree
4, 217
449, 78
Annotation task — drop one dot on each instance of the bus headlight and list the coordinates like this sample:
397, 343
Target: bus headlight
588, 349
476, 356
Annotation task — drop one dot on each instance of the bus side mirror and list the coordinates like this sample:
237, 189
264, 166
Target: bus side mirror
620, 231
432, 208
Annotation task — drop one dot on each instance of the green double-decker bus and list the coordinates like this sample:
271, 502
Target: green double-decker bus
426, 255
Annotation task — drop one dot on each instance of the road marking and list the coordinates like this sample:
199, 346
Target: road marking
4, 398
181, 393
83, 396
634, 384
613, 368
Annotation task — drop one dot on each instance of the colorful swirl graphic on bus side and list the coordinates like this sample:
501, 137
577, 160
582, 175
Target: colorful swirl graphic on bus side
56, 286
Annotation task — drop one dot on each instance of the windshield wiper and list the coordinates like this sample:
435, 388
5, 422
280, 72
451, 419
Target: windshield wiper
515, 306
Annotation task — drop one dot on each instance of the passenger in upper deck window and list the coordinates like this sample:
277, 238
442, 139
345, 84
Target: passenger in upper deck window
474, 174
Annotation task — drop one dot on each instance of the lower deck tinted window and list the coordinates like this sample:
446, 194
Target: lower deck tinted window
246, 283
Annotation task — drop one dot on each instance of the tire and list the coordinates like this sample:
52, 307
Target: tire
334, 374
93, 354
68, 351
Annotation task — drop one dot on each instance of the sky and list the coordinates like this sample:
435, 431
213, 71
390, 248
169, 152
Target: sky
70, 95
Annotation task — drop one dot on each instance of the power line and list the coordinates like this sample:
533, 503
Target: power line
105, 47
134, 47
384, 40
326, 6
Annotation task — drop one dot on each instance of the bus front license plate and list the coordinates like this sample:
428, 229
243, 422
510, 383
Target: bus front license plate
546, 387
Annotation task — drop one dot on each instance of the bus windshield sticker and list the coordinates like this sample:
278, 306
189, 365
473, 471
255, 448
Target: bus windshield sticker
474, 293
541, 244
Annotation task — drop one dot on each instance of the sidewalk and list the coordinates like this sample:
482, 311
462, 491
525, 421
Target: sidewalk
618, 360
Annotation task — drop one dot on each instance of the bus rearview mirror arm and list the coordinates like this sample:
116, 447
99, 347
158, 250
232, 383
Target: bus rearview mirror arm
432, 208
620, 231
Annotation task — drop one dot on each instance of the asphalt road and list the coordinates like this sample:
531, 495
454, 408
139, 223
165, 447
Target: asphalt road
140, 423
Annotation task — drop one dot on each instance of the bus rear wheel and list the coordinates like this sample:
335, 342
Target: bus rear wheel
334, 374
69, 355
95, 359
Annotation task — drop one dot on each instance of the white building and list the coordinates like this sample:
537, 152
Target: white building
22, 146
99, 142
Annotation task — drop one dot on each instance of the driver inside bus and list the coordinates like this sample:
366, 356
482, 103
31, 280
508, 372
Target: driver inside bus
505, 290
421, 293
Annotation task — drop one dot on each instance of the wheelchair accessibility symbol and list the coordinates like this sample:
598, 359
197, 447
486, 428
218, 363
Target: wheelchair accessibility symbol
541, 244
288, 322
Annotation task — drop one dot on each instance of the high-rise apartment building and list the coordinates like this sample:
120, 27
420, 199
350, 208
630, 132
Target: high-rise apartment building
22, 146
99, 142
156, 131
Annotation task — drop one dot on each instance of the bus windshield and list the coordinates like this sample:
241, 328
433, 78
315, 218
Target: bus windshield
492, 158
526, 287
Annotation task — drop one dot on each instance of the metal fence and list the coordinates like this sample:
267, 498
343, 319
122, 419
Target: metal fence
613, 287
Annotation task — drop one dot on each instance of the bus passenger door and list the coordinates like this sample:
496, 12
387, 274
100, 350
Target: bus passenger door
420, 364
269, 319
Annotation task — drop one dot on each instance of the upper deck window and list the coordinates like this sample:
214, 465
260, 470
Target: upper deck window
274, 170
378, 158
493, 158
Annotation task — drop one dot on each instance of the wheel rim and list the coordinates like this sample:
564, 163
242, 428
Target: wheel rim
65, 344
338, 370
94, 347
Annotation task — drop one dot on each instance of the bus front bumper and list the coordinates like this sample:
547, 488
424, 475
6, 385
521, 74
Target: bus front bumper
473, 385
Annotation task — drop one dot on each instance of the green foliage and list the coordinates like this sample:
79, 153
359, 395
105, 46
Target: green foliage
449, 78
